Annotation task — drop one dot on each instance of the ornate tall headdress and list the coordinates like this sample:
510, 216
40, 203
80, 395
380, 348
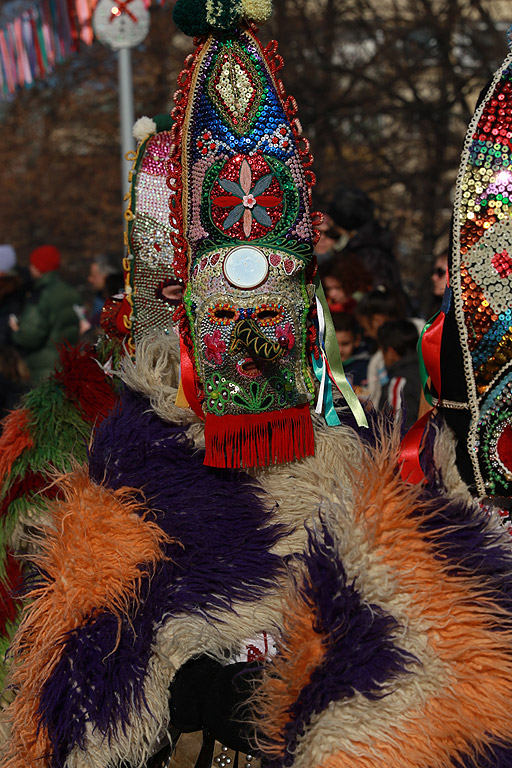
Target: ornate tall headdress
472, 376
243, 239
152, 291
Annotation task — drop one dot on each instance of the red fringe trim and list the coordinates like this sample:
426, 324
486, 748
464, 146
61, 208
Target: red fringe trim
256, 440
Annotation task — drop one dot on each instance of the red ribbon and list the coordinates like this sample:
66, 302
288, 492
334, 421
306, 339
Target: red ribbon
431, 351
410, 467
188, 381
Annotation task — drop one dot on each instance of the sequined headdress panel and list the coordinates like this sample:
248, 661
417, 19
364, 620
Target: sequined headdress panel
152, 290
481, 283
242, 206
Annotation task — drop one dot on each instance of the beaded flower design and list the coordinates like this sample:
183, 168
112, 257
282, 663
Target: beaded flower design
247, 200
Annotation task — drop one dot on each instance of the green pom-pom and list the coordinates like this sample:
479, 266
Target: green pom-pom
190, 17
163, 122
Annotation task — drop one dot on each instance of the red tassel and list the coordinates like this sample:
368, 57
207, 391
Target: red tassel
256, 440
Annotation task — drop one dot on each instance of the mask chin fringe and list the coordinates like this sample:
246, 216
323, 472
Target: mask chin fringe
276, 437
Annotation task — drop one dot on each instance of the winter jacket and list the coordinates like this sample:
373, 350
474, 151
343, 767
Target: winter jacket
47, 319
402, 393
12, 298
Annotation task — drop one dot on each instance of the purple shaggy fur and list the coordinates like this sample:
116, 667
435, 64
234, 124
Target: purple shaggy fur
497, 756
462, 537
226, 532
360, 654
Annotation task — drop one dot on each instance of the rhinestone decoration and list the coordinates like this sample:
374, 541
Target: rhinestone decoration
494, 436
225, 758
254, 199
235, 87
225, 166
234, 381
481, 280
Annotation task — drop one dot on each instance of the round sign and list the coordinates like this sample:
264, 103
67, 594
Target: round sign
246, 267
121, 23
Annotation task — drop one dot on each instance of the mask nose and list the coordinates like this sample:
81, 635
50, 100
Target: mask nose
246, 334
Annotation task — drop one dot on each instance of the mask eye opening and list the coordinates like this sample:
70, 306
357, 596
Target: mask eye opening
222, 314
170, 291
269, 314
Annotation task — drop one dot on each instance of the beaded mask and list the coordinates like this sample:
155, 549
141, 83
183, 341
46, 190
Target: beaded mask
152, 291
246, 248
476, 350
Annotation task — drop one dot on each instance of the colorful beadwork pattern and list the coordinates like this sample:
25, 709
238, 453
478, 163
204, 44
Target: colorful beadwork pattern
481, 278
249, 237
150, 279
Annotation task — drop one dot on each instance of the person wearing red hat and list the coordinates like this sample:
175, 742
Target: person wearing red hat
49, 316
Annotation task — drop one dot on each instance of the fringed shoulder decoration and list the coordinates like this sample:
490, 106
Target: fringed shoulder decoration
410, 604
94, 557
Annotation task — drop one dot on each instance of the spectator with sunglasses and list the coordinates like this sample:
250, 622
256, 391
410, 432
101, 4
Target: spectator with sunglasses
438, 282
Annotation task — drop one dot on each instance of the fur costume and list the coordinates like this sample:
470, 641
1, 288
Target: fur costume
178, 544
390, 604
47, 434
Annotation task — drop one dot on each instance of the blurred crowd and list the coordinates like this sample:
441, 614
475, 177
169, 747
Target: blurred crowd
39, 310
376, 324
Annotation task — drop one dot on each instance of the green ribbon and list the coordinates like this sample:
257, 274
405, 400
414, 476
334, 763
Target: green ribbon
331, 417
332, 352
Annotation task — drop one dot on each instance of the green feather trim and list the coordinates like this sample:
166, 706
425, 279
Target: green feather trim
59, 432
110, 350
11, 627
6, 696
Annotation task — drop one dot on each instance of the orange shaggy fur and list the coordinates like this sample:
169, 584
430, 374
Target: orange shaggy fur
15, 439
91, 555
466, 630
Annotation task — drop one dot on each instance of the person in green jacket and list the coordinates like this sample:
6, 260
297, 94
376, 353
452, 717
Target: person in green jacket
49, 316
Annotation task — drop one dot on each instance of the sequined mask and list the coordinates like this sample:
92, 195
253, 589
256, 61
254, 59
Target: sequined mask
245, 254
248, 309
